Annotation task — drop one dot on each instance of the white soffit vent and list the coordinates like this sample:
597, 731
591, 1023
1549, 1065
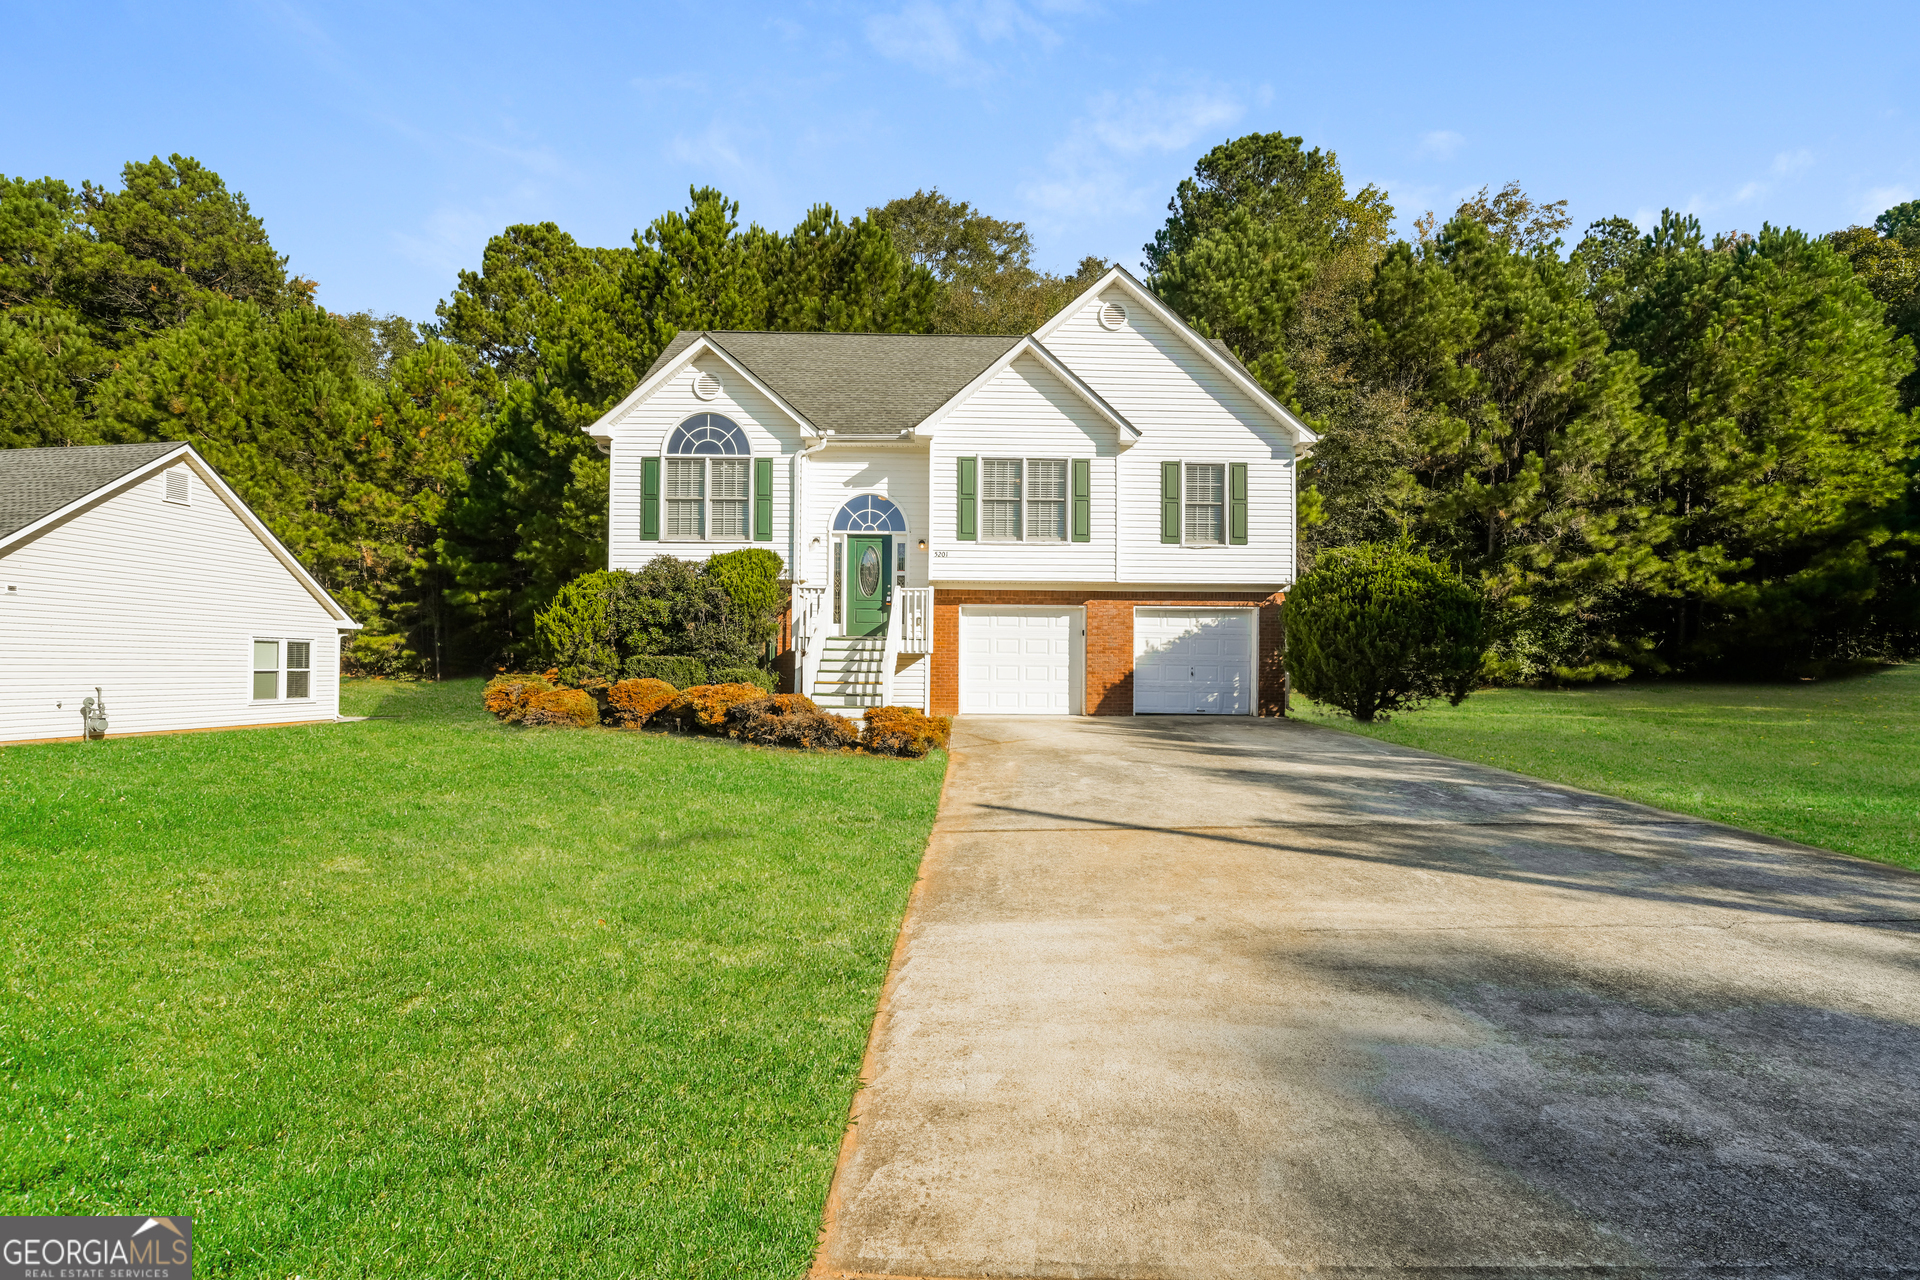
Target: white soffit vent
705, 385
1113, 315
177, 486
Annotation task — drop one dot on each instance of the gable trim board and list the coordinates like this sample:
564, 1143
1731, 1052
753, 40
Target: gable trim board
667, 370
120, 484
1121, 278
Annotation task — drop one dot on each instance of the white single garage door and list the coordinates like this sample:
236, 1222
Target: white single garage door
1188, 661
1018, 662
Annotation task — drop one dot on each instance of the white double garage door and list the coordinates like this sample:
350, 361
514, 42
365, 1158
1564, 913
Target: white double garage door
1031, 661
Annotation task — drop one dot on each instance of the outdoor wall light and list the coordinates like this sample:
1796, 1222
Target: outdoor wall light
923, 544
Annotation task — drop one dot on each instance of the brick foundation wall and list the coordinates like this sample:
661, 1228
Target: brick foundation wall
1109, 641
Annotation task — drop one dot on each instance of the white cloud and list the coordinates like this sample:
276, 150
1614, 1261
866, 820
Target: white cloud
1880, 199
449, 241
954, 39
1090, 174
1788, 163
1441, 144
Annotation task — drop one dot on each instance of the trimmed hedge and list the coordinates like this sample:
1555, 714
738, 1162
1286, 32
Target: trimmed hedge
678, 671
705, 706
631, 703
573, 707
902, 731
766, 680
789, 720
507, 696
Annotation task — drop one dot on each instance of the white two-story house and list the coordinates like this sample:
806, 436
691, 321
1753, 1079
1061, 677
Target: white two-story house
1097, 518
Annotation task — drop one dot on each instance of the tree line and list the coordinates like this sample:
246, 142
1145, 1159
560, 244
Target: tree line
1653, 451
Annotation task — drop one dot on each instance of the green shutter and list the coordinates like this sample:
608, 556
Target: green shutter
969, 506
650, 499
763, 499
1169, 502
1237, 504
1082, 499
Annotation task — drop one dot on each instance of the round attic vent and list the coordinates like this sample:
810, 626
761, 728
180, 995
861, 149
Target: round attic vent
705, 385
1113, 315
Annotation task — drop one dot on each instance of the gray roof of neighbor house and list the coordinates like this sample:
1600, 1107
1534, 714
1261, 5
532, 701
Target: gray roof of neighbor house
38, 482
857, 384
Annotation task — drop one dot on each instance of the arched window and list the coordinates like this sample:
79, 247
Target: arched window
709, 479
869, 513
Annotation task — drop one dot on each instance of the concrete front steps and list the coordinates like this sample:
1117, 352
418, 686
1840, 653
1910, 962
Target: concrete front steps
849, 678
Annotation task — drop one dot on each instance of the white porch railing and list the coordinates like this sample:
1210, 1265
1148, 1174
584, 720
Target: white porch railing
914, 606
809, 635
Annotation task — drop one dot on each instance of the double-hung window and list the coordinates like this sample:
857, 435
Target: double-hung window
1206, 503
272, 658
1023, 499
709, 490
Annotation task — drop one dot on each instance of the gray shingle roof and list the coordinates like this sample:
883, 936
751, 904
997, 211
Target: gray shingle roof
38, 482
857, 384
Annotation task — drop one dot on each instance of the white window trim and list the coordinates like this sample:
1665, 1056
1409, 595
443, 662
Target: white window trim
706, 498
280, 644
1226, 503
1026, 501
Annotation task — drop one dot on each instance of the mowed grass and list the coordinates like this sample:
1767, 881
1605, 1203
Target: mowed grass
432, 996
1833, 763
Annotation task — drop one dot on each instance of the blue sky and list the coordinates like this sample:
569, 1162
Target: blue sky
383, 143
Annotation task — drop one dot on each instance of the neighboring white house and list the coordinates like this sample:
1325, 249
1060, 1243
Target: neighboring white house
134, 569
1096, 518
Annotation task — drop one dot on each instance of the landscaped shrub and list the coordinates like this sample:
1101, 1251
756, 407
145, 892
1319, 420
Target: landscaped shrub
789, 720
705, 706
631, 703
1378, 628
600, 622
574, 708
751, 579
902, 731
766, 680
507, 696
681, 673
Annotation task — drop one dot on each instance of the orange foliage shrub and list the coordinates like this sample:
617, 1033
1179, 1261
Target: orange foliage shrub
789, 720
574, 708
507, 696
705, 705
902, 731
631, 703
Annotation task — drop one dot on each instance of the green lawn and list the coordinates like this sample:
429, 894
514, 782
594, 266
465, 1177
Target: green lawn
1834, 763
428, 995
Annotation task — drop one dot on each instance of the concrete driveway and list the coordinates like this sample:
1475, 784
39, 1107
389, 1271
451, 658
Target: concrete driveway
1228, 998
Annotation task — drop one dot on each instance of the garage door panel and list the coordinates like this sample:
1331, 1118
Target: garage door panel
1017, 662
1189, 661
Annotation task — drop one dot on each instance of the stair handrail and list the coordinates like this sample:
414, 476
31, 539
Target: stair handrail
809, 630
916, 605
890, 654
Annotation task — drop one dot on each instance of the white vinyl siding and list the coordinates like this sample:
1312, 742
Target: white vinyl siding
1024, 412
158, 605
1186, 410
643, 431
896, 472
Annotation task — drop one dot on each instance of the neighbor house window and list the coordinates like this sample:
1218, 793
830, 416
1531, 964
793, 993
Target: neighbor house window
1023, 498
266, 669
1206, 500
709, 480
299, 668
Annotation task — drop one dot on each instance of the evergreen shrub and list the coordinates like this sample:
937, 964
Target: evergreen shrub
789, 720
631, 703
903, 731
1378, 628
572, 708
680, 672
705, 706
507, 696
766, 680
751, 579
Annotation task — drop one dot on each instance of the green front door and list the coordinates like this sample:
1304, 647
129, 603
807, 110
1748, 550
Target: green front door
869, 569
